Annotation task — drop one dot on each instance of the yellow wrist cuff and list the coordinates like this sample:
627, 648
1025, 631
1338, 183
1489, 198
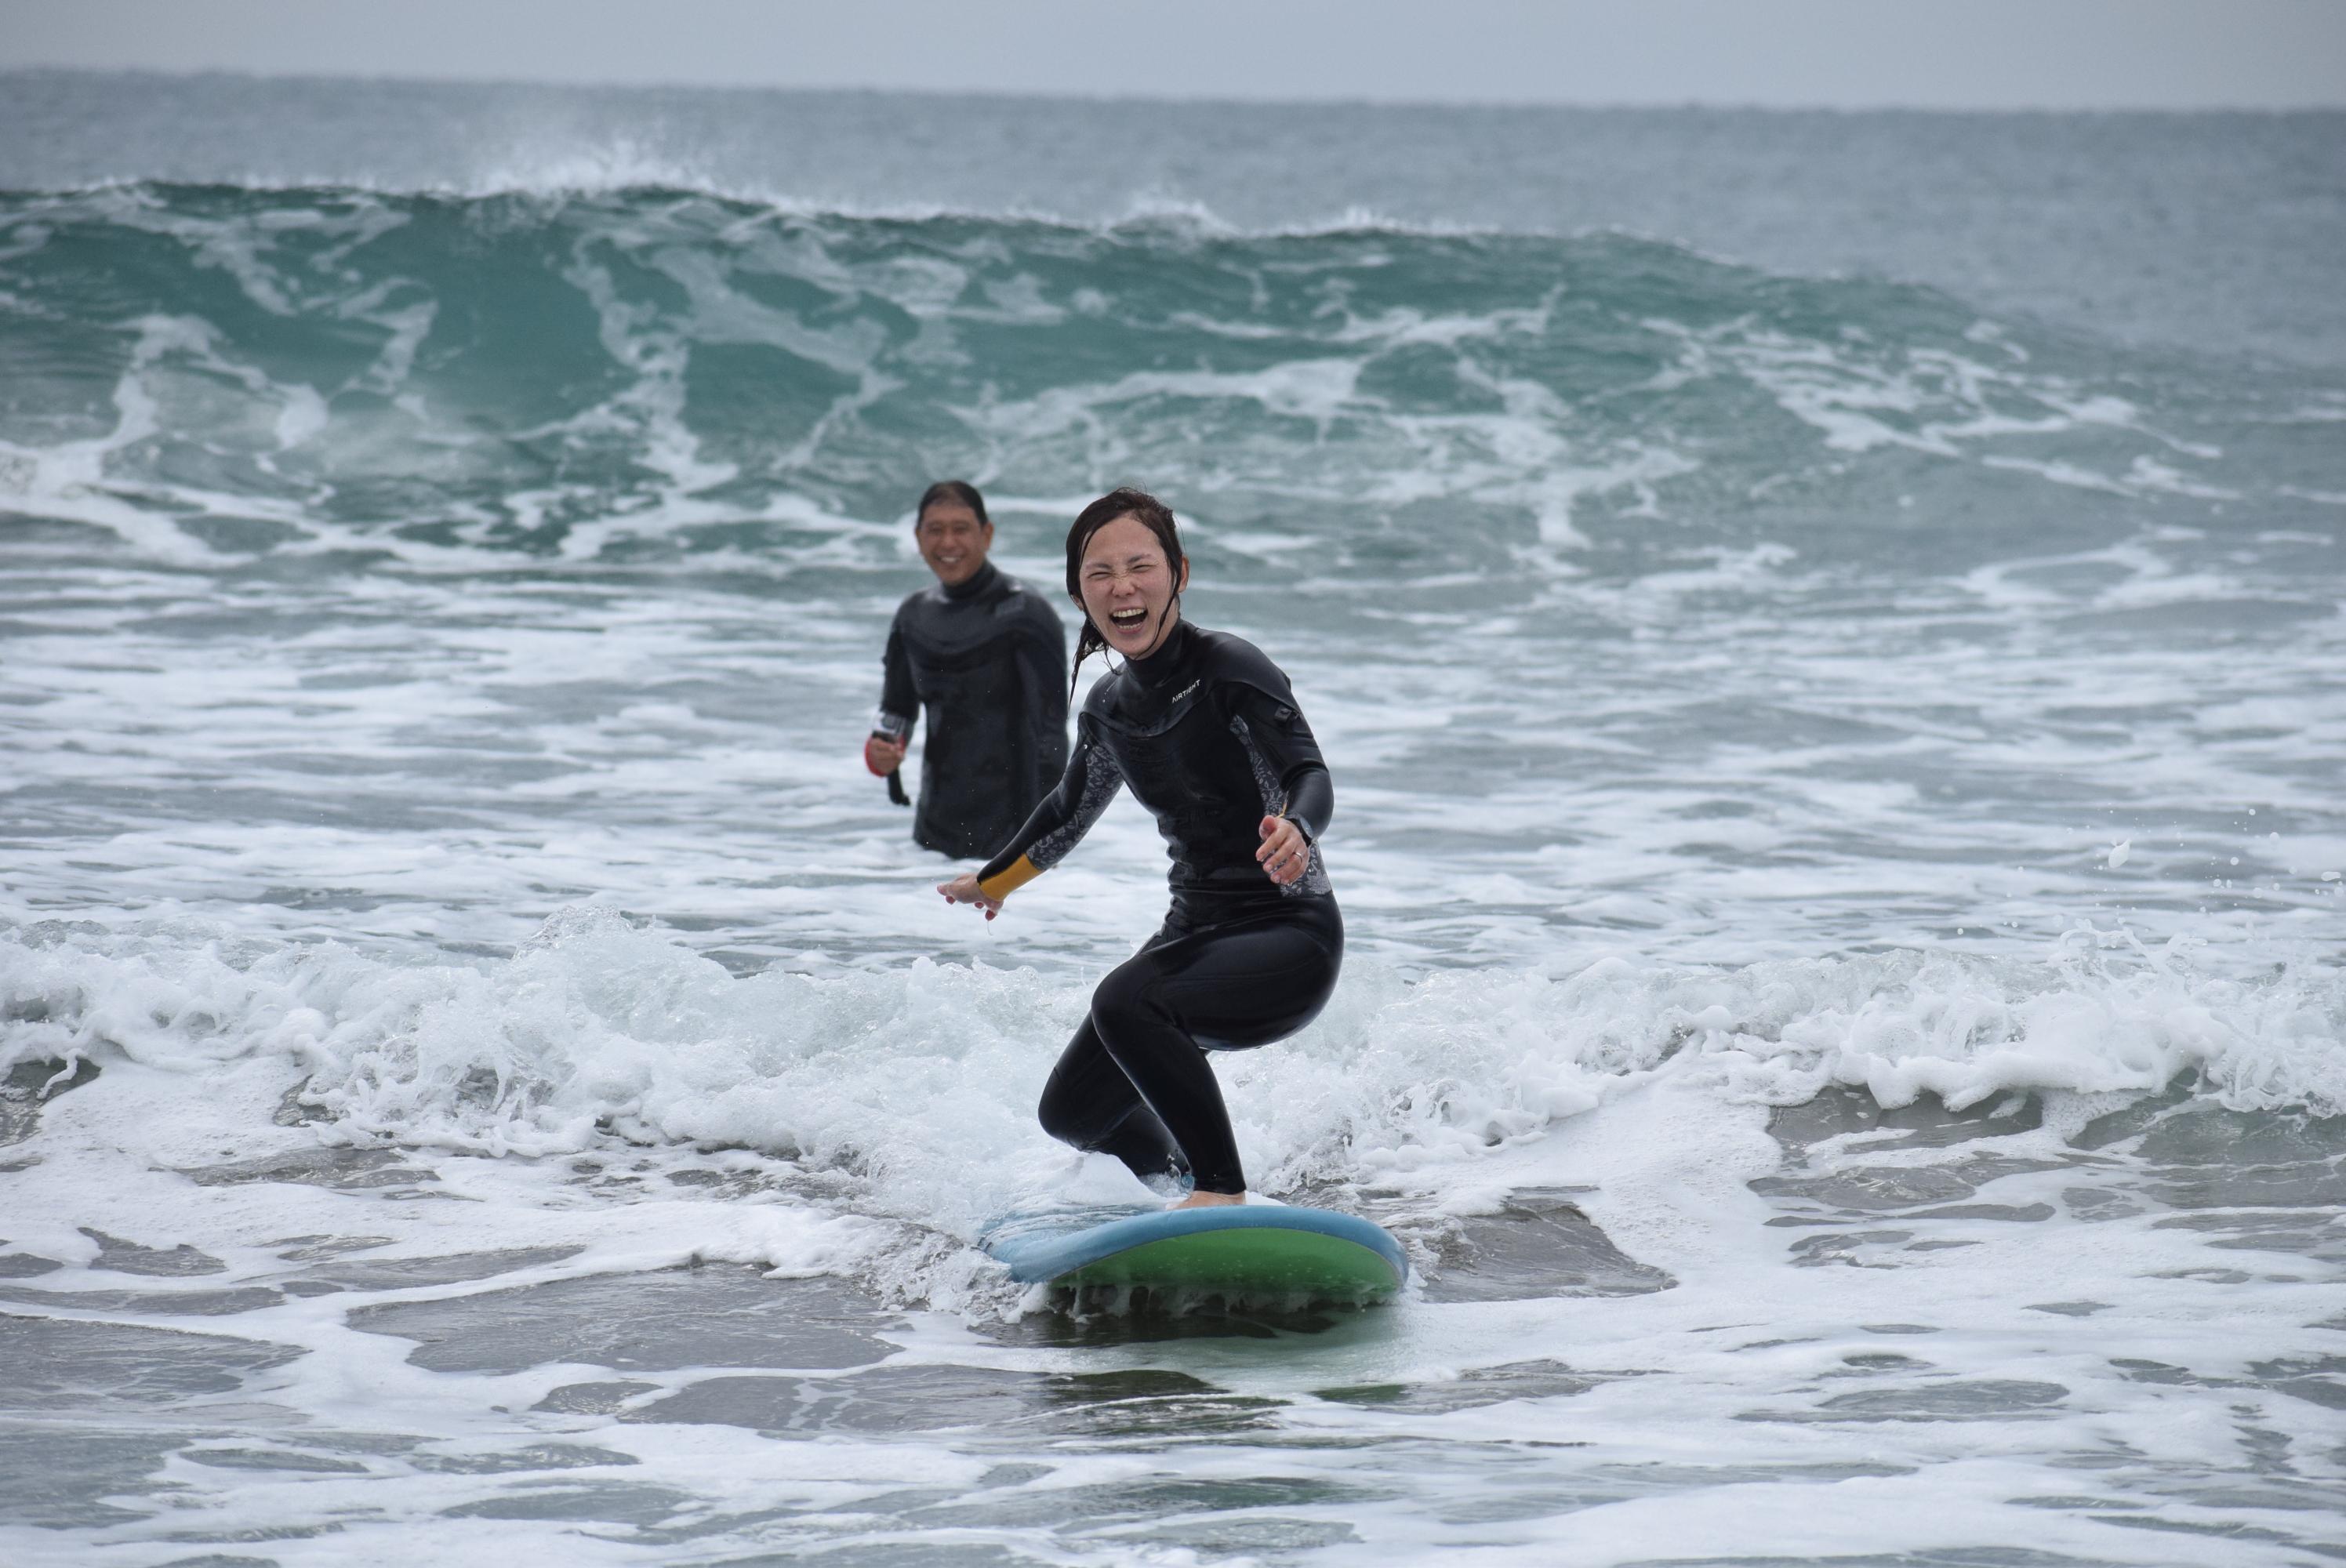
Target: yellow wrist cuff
1010, 878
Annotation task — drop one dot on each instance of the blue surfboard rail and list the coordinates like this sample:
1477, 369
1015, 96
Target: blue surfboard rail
1034, 1251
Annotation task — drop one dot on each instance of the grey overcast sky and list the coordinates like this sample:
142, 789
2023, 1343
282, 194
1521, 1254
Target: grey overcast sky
1849, 53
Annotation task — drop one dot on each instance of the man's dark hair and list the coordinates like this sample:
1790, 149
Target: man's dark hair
959, 490
1150, 514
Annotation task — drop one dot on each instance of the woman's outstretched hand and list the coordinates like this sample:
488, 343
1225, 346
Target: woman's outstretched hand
963, 889
1285, 854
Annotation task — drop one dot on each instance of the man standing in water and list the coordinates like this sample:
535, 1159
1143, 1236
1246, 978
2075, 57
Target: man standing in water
988, 659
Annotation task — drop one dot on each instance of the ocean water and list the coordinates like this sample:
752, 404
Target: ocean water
1828, 631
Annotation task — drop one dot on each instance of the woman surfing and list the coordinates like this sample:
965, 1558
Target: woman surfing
1205, 732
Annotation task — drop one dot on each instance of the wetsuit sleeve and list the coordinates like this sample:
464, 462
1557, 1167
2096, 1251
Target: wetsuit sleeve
1285, 750
897, 696
1064, 816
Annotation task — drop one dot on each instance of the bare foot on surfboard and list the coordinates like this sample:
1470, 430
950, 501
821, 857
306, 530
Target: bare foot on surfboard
1210, 1199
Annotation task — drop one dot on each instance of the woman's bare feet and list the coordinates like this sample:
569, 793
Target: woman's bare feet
1210, 1199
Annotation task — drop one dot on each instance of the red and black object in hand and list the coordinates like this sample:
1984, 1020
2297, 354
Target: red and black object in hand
883, 750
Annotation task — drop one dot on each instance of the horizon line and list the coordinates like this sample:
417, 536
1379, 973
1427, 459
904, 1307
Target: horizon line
1222, 99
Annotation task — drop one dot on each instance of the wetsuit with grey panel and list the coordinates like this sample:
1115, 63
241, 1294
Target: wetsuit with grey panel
1207, 735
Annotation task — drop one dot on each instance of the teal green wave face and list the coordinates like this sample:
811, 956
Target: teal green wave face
653, 374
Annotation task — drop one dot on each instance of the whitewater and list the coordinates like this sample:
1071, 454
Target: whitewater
1835, 713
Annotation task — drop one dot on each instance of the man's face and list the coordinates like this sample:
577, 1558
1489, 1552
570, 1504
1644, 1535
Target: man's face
953, 540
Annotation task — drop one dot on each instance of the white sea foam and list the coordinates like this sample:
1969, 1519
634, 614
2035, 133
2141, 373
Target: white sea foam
1960, 1370
917, 1082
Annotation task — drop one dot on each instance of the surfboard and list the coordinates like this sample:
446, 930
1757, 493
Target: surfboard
1250, 1253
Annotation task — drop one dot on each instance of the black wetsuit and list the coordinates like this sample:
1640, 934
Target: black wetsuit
988, 659
1205, 733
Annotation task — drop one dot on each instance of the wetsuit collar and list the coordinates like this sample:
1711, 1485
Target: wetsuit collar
1169, 655
976, 582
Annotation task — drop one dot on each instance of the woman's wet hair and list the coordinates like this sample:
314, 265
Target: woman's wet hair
1150, 514
959, 490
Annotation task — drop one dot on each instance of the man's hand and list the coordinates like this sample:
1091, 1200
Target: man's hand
883, 756
1285, 854
963, 889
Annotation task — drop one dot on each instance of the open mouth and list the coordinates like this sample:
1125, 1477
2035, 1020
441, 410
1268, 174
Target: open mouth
1128, 620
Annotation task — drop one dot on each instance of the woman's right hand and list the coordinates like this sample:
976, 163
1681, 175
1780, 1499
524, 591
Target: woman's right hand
963, 889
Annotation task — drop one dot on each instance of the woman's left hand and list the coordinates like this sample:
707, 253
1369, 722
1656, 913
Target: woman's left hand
1285, 854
